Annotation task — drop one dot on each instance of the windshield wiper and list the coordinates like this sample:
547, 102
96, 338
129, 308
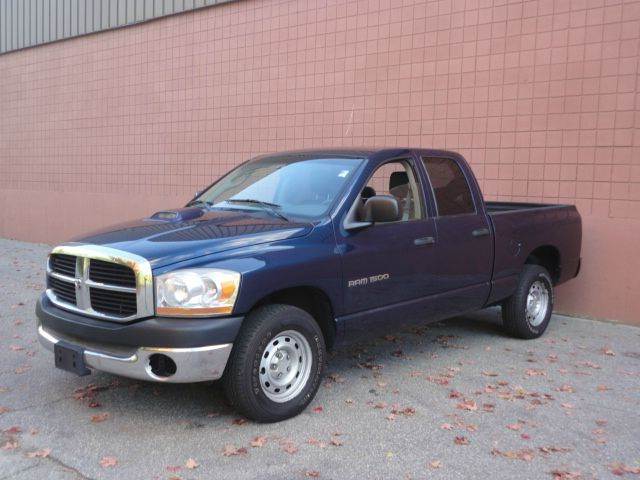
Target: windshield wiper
194, 203
265, 205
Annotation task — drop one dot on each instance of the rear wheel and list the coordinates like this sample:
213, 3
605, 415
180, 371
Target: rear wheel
276, 364
527, 312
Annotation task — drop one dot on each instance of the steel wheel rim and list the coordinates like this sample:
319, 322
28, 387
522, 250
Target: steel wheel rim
537, 303
285, 366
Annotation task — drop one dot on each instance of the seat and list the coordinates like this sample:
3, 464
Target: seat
399, 187
366, 194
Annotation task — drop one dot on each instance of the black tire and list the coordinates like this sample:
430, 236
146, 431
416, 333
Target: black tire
514, 309
241, 380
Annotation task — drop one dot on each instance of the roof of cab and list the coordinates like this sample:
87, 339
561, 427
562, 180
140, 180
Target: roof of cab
360, 152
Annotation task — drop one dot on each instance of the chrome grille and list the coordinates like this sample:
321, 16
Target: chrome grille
100, 282
120, 304
64, 290
63, 264
111, 273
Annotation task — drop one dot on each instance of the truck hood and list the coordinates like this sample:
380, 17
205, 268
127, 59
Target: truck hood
176, 235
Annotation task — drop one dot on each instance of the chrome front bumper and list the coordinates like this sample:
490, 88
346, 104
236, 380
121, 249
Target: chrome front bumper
196, 364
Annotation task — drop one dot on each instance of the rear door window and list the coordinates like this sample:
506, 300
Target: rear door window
450, 187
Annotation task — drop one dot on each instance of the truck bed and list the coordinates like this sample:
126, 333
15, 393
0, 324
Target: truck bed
519, 228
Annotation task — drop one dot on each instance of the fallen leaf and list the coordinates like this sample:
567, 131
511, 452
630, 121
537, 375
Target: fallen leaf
259, 441
100, 417
318, 409
4, 410
231, 450
336, 442
12, 430
524, 454
514, 426
461, 441
552, 449
107, 462
489, 374
620, 469
239, 421
10, 445
565, 475
173, 468
191, 464
467, 405
289, 447
565, 388
435, 464
317, 443
312, 473
446, 426
44, 453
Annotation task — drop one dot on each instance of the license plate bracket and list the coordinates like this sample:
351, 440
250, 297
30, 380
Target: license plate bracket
70, 357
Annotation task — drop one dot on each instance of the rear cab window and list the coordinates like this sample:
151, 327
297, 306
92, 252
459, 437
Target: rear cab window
450, 187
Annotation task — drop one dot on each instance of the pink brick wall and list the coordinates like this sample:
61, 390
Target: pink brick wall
541, 96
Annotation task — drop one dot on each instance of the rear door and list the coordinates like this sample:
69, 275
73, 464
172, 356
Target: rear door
465, 243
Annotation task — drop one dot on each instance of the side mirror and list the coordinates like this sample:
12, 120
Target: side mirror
381, 208
196, 195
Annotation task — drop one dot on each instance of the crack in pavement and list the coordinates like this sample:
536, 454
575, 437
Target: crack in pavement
22, 470
21, 449
59, 462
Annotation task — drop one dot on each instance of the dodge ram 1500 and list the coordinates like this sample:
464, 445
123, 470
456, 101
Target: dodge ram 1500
288, 254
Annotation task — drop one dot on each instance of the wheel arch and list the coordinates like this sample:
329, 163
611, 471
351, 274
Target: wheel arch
547, 256
312, 300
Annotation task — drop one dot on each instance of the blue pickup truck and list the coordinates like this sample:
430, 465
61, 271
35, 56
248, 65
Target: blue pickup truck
287, 255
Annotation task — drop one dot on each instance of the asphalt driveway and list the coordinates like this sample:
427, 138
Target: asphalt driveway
455, 399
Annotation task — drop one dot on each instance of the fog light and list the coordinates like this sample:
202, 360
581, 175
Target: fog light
162, 365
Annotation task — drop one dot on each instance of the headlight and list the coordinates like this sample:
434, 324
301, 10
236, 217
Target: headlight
196, 292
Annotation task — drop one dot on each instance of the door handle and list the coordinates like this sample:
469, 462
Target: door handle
480, 232
424, 241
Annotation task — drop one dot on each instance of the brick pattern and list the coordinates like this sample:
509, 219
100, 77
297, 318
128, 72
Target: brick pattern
541, 96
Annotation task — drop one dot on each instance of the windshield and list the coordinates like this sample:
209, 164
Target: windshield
286, 186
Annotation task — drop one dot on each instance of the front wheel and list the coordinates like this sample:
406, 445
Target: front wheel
276, 364
527, 312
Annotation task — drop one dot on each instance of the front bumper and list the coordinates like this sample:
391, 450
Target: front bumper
200, 349
197, 364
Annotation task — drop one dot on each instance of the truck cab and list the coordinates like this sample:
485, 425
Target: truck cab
290, 253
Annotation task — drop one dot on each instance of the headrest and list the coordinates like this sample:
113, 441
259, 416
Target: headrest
368, 192
398, 178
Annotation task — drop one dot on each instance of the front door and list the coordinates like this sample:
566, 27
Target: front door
390, 263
